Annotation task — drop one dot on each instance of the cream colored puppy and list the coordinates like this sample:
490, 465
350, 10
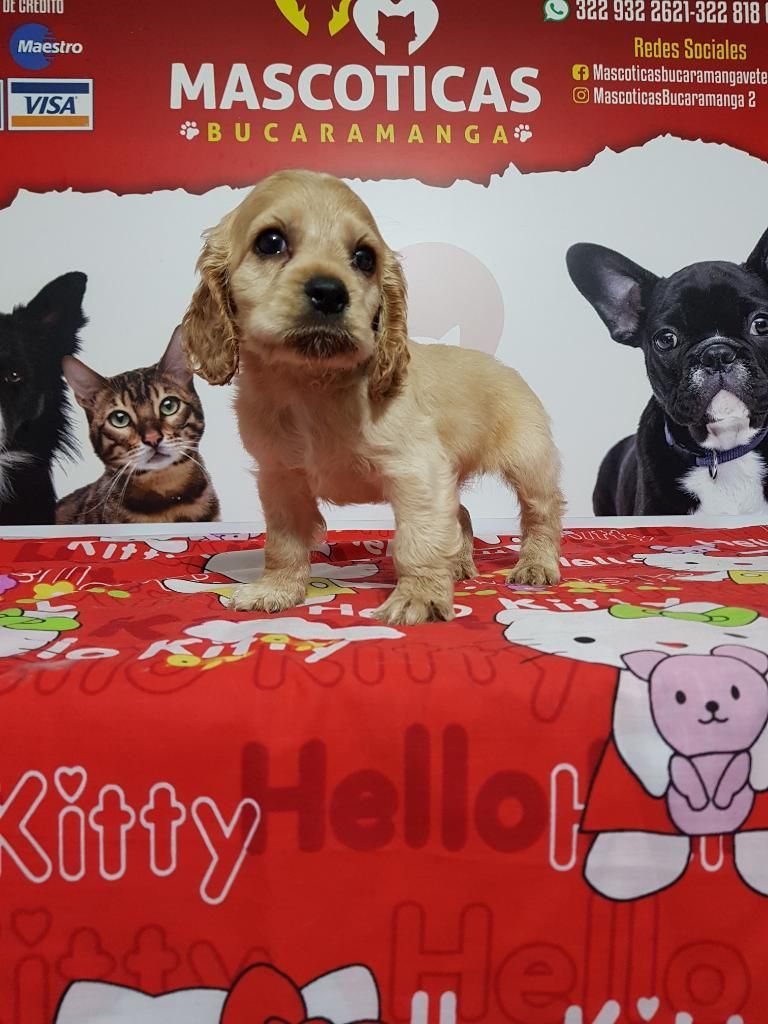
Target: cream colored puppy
301, 293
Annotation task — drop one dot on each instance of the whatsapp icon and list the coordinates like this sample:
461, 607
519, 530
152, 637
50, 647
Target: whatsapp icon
556, 10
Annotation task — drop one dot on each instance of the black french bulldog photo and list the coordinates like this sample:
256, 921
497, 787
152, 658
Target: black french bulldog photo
35, 426
702, 442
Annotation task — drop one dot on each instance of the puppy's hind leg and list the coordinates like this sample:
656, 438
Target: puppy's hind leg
465, 565
531, 466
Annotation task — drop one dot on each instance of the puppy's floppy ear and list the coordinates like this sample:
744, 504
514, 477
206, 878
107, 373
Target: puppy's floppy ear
391, 356
617, 288
209, 329
757, 261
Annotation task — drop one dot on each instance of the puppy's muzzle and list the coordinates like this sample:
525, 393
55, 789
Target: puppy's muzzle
321, 344
327, 296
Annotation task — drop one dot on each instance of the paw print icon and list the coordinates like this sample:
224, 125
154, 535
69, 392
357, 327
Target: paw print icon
523, 133
189, 130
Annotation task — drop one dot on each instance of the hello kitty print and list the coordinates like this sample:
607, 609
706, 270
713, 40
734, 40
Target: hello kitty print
557, 803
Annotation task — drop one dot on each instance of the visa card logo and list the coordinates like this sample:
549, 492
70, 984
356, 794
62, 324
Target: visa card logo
64, 105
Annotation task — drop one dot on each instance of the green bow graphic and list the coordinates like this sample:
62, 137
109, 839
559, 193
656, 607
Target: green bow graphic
14, 618
723, 617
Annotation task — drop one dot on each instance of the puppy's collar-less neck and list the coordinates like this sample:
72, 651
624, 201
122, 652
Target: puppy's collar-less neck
709, 457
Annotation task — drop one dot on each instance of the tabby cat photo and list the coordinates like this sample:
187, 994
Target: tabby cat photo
145, 426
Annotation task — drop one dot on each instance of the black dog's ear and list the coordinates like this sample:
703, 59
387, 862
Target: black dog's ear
616, 287
58, 307
758, 258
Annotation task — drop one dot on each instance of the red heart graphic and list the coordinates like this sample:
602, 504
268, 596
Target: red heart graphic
31, 926
70, 782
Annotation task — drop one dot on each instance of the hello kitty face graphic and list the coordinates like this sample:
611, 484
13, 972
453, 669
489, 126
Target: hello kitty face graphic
704, 567
697, 548
602, 636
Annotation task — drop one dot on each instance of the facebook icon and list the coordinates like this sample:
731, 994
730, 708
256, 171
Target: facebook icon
580, 72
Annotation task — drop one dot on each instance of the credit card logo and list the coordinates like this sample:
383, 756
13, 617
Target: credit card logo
64, 105
35, 46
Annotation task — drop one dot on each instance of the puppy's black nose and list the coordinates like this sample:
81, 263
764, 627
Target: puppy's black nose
328, 295
718, 357
712, 706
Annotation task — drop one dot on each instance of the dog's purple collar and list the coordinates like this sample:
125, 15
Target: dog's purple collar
711, 458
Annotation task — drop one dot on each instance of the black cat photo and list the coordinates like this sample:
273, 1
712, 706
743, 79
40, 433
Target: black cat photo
34, 402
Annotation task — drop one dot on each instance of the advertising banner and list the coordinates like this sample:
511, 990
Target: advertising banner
488, 139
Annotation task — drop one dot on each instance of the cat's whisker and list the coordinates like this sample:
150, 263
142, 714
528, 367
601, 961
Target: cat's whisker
125, 486
103, 504
123, 469
199, 465
184, 450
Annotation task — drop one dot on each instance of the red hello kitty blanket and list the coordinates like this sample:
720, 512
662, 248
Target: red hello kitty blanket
553, 810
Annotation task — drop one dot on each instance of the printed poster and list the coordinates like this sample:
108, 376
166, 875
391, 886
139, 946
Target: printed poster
488, 140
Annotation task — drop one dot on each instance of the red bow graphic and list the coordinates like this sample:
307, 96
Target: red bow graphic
263, 995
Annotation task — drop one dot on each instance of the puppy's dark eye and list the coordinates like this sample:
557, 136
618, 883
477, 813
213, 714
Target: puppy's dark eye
759, 326
665, 341
12, 378
271, 242
680, 697
364, 259
735, 693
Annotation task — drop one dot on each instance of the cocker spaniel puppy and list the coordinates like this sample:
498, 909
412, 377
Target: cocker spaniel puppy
300, 293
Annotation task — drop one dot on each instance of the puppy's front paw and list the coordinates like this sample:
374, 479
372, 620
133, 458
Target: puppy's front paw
465, 568
534, 574
265, 596
414, 601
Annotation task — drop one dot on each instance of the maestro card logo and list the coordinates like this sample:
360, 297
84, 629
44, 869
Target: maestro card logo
34, 47
371, 17
46, 104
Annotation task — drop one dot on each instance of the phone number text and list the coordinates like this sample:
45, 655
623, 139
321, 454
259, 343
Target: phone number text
696, 12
